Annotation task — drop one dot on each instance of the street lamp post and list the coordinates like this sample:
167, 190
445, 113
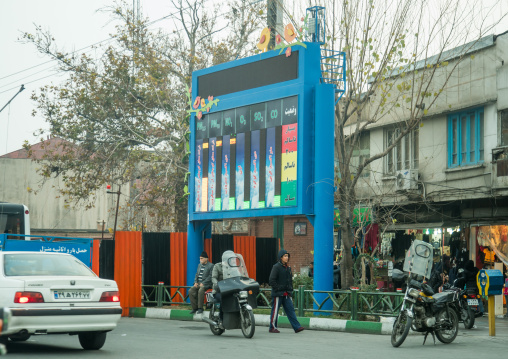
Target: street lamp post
117, 205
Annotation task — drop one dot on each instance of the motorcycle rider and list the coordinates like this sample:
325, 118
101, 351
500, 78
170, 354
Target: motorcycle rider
217, 276
281, 281
469, 276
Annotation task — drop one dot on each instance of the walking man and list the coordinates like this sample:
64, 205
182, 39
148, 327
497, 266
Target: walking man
202, 282
281, 281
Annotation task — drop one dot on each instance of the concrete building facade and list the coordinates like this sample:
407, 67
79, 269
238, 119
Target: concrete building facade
452, 170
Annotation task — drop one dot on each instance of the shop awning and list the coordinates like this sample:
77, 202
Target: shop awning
404, 226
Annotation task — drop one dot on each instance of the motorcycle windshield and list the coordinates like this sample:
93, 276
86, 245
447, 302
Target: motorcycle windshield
233, 265
419, 259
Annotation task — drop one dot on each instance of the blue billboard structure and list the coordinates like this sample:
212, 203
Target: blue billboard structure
263, 146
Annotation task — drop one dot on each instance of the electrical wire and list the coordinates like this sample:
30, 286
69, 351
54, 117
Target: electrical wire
97, 43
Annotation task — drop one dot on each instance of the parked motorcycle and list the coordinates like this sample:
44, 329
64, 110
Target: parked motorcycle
238, 298
422, 310
460, 305
473, 301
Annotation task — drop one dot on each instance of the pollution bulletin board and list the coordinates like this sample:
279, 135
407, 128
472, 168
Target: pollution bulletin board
251, 145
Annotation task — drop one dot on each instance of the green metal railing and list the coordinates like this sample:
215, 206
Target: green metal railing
351, 304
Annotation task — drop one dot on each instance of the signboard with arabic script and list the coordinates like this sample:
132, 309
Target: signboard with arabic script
251, 152
78, 248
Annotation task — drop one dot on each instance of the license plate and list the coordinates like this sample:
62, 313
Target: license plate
71, 294
472, 301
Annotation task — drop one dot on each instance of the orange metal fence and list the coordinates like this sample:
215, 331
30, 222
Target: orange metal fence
128, 269
95, 255
178, 262
246, 246
208, 247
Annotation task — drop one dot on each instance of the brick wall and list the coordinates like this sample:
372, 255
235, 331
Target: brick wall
300, 247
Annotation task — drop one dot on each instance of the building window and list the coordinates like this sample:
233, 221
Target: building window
465, 138
504, 128
404, 155
360, 153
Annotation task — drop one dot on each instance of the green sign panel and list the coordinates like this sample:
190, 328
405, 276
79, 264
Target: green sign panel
361, 217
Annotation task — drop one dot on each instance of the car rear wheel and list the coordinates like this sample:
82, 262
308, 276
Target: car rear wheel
92, 340
20, 337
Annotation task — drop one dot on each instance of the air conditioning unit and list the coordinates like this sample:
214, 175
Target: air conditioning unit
406, 179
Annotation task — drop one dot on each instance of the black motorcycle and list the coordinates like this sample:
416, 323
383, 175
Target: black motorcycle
460, 304
422, 310
238, 295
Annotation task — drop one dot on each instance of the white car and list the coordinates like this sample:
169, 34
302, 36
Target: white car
55, 293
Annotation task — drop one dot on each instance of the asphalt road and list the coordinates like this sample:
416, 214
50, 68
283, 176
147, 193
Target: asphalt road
155, 338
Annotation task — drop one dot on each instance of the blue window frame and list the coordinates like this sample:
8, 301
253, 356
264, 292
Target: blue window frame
465, 138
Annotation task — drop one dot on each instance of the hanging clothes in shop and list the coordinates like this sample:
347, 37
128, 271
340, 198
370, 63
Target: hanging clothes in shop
361, 237
401, 243
462, 258
371, 237
480, 258
354, 252
489, 255
454, 244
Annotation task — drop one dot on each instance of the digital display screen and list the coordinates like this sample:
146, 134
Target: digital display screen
244, 77
246, 157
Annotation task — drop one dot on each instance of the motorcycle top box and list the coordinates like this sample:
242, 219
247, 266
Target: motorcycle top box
230, 286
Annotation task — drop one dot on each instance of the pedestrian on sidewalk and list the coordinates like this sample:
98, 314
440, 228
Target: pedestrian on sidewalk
281, 281
202, 282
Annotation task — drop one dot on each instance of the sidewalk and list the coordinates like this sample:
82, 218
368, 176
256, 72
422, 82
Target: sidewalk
350, 326
339, 325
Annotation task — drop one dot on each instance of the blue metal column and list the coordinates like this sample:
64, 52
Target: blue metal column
323, 190
195, 242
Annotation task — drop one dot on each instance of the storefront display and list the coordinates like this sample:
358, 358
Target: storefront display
493, 238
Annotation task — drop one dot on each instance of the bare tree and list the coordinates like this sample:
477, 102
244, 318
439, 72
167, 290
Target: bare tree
400, 57
122, 115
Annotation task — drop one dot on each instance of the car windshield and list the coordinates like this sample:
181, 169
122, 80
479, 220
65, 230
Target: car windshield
36, 264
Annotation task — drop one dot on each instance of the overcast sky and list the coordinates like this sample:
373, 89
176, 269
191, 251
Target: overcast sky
75, 24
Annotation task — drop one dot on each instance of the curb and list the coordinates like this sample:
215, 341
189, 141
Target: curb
338, 325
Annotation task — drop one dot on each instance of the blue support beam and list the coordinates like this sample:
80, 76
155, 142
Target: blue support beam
323, 190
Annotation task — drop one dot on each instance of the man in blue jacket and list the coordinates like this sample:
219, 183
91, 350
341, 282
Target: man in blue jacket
281, 281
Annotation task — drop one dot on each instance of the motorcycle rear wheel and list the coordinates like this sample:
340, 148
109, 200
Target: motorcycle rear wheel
467, 316
401, 329
248, 323
447, 336
214, 328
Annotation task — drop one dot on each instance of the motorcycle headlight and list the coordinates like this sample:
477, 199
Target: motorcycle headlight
243, 294
414, 293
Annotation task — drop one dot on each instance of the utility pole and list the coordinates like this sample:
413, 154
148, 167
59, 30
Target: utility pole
117, 205
274, 20
13, 97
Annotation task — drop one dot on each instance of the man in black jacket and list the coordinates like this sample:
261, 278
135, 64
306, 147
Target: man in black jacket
281, 281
